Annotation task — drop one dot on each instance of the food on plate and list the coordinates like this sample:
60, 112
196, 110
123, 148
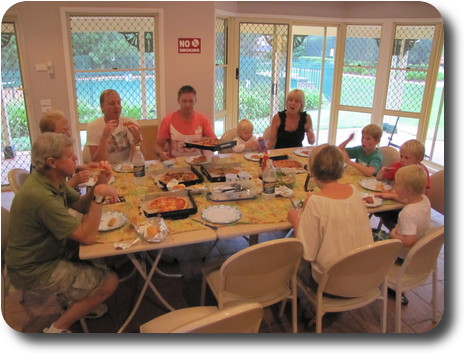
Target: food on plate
305, 152
256, 156
368, 199
152, 231
179, 176
111, 222
287, 163
126, 167
167, 203
199, 159
222, 171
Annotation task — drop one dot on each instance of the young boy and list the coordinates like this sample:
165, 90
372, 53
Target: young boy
368, 158
246, 142
411, 153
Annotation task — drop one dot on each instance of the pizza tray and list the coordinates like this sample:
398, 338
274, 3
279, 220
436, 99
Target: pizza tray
213, 176
286, 157
217, 147
177, 214
159, 173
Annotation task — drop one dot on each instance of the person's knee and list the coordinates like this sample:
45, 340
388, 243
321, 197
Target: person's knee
112, 282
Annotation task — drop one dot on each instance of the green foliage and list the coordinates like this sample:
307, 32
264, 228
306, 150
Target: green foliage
254, 103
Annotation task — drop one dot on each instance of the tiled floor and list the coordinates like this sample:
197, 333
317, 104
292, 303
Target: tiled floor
37, 313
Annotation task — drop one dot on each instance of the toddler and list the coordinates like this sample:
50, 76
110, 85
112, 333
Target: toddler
367, 157
411, 153
246, 142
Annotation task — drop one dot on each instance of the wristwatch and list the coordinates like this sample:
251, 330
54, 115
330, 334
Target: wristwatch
98, 199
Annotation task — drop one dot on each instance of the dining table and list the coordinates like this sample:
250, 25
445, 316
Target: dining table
257, 215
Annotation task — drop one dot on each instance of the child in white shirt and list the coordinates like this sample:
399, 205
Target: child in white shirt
246, 142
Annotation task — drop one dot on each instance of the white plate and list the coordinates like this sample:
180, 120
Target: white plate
121, 219
378, 201
118, 168
91, 182
221, 214
303, 151
250, 155
191, 160
372, 184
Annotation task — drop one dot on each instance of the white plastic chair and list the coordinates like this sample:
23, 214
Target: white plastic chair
358, 278
390, 155
437, 191
86, 155
264, 273
229, 135
16, 178
243, 318
420, 262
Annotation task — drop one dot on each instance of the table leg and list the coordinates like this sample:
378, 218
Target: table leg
147, 283
164, 274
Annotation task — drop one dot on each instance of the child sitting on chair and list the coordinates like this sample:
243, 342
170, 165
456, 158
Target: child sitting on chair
411, 153
246, 142
368, 158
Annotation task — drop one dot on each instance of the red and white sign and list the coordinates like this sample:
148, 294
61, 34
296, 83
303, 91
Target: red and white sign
189, 45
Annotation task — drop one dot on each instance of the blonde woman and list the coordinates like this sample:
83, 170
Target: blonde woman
289, 127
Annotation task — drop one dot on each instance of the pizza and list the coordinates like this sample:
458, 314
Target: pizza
287, 163
207, 141
199, 159
368, 199
129, 124
221, 171
179, 176
167, 204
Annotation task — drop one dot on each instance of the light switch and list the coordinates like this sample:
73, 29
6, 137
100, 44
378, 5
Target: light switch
46, 102
40, 67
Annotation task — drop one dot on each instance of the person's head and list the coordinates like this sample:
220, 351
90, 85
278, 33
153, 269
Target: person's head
371, 135
53, 120
410, 180
110, 104
295, 101
186, 97
52, 150
327, 163
411, 152
245, 129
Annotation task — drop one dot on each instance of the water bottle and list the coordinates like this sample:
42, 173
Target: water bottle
138, 162
269, 180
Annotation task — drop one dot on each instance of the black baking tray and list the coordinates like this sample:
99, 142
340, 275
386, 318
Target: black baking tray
205, 169
186, 183
178, 214
218, 147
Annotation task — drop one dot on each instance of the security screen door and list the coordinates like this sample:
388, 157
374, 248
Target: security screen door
262, 72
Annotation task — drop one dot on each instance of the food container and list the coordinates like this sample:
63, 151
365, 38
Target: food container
216, 172
154, 230
241, 190
159, 174
189, 208
216, 147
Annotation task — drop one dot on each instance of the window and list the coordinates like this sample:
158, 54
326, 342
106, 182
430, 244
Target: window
117, 52
221, 70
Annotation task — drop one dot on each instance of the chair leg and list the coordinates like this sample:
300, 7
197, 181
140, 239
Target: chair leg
434, 294
398, 310
384, 308
203, 290
84, 325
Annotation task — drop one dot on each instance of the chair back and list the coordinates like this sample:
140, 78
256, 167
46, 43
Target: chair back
86, 155
149, 133
227, 136
5, 225
243, 318
361, 270
16, 178
261, 273
390, 155
422, 256
437, 191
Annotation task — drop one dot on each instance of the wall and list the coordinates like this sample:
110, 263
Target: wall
40, 37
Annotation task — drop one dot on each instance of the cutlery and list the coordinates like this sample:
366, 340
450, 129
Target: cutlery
123, 246
292, 201
205, 224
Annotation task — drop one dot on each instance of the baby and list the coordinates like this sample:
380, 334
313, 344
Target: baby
368, 158
246, 142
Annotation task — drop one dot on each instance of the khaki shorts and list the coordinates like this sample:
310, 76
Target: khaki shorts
74, 280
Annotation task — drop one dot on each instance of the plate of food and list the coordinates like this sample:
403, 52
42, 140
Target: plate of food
374, 185
303, 151
123, 168
198, 160
254, 156
111, 220
372, 201
180, 176
221, 214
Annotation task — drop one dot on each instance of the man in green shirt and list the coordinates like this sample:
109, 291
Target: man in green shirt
40, 226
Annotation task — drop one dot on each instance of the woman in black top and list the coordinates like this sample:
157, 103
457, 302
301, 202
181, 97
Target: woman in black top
289, 126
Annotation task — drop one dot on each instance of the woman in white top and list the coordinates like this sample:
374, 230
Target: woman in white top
334, 220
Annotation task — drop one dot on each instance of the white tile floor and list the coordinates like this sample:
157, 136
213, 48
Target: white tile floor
36, 313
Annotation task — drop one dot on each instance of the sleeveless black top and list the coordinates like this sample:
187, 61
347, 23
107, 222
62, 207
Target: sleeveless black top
286, 139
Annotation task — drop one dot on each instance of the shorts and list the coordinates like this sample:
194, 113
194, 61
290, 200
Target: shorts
74, 280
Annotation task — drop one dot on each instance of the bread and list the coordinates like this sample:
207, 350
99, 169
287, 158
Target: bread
152, 231
111, 222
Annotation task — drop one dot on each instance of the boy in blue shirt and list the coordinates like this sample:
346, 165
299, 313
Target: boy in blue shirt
367, 157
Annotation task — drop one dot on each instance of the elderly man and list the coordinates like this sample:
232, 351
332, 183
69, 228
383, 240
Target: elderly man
40, 226
112, 137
